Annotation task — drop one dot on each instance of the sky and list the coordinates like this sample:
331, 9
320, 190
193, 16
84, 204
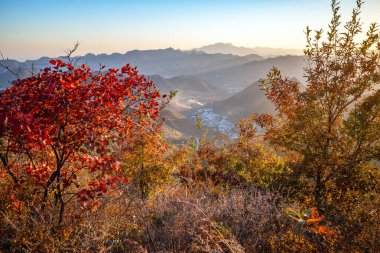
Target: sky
30, 29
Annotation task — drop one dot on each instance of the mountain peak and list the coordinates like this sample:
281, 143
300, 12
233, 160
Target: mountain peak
222, 44
229, 48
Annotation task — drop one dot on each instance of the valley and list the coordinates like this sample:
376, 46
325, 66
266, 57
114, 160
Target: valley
218, 83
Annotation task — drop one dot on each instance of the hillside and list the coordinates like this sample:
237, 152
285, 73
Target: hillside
237, 78
242, 104
191, 90
7, 77
176, 127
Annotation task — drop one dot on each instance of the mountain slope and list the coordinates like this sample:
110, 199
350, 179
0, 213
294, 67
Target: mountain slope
6, 77
192, 83
241, 105
177, 127
237, 78
191, 90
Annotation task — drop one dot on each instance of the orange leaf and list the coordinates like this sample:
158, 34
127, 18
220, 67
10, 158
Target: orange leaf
319, 219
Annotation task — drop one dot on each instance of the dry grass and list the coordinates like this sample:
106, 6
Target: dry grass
174, 219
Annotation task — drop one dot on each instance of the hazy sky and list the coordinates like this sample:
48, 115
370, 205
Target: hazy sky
30, 29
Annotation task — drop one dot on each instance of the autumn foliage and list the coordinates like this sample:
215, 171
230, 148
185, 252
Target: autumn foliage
84, 167
333, 125
64, 121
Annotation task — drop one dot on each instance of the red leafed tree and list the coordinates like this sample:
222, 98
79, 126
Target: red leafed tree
62, 123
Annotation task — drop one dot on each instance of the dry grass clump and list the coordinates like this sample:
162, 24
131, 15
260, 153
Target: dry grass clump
174, 219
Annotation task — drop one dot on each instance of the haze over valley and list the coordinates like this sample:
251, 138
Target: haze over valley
218, 82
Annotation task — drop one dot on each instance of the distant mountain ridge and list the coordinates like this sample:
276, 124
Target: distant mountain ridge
221, 87
236, 78
167, 62
228, 48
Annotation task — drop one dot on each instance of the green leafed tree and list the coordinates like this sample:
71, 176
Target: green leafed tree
332, 125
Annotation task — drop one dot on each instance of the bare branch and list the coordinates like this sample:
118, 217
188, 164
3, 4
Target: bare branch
6, 64
69, 52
